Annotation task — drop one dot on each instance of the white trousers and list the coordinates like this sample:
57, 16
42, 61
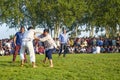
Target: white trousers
29, 46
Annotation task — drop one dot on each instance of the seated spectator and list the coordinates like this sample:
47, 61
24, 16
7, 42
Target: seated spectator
89, 49
97, 49
110, 49
41, 50
115, 49
84, 43
71, 49
102, 49
82, 50
77, 42
106, 49
94, 49
77, 49
7, 52
71, 42
2, 52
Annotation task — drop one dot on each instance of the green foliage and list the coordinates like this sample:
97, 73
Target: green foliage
73, 67
11, 36
10, 12
94, 13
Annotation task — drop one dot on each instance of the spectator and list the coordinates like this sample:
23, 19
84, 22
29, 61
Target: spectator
82, 50
110, 49
94, 41
118, 42
89, 49
97, 49
102, 49
94, 49
106, 42
2, 52
58, 43
17, 42
77, 42
41, 50
84, 43
113, 42
64, 41
71, 42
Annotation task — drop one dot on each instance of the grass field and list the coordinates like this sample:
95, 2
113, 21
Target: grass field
72, 67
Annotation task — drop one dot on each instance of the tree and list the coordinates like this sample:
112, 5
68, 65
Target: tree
10, 12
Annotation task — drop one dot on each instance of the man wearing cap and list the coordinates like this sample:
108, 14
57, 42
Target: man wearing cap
64, 41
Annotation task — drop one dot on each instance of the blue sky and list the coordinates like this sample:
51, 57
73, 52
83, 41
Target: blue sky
5, 32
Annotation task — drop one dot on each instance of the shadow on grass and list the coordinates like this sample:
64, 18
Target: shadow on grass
9, 64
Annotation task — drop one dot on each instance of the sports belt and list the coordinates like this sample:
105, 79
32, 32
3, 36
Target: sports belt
28, 39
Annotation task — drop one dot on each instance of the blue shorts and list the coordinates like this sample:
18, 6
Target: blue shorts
48, 53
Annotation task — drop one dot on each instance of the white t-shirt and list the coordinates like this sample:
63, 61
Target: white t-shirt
29, 35
48, 42
97, 49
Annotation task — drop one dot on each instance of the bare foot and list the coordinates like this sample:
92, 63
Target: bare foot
44, 61
51, 66
21, 65
34, 66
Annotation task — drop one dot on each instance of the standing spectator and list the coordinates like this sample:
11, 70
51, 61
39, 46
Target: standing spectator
101, 42
113, 42
71, 42
118, 42
17, 42
64, 41
106, 42
110, 42
94, 41
58, 43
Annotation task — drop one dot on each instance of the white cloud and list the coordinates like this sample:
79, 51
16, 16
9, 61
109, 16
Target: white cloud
5, 32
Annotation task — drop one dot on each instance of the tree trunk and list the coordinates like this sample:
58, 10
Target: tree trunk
76, 31
91, 31
119, 30
56, 30
51, 32
107, 31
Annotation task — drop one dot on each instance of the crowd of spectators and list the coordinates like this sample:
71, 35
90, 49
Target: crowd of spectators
94, 45
6, 47
77, 45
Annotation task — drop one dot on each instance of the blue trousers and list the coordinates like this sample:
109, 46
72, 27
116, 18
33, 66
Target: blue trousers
48, 53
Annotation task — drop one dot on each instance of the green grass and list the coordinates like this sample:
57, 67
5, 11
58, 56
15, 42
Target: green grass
73, 67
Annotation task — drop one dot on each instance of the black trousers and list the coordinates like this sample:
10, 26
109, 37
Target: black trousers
64, 49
